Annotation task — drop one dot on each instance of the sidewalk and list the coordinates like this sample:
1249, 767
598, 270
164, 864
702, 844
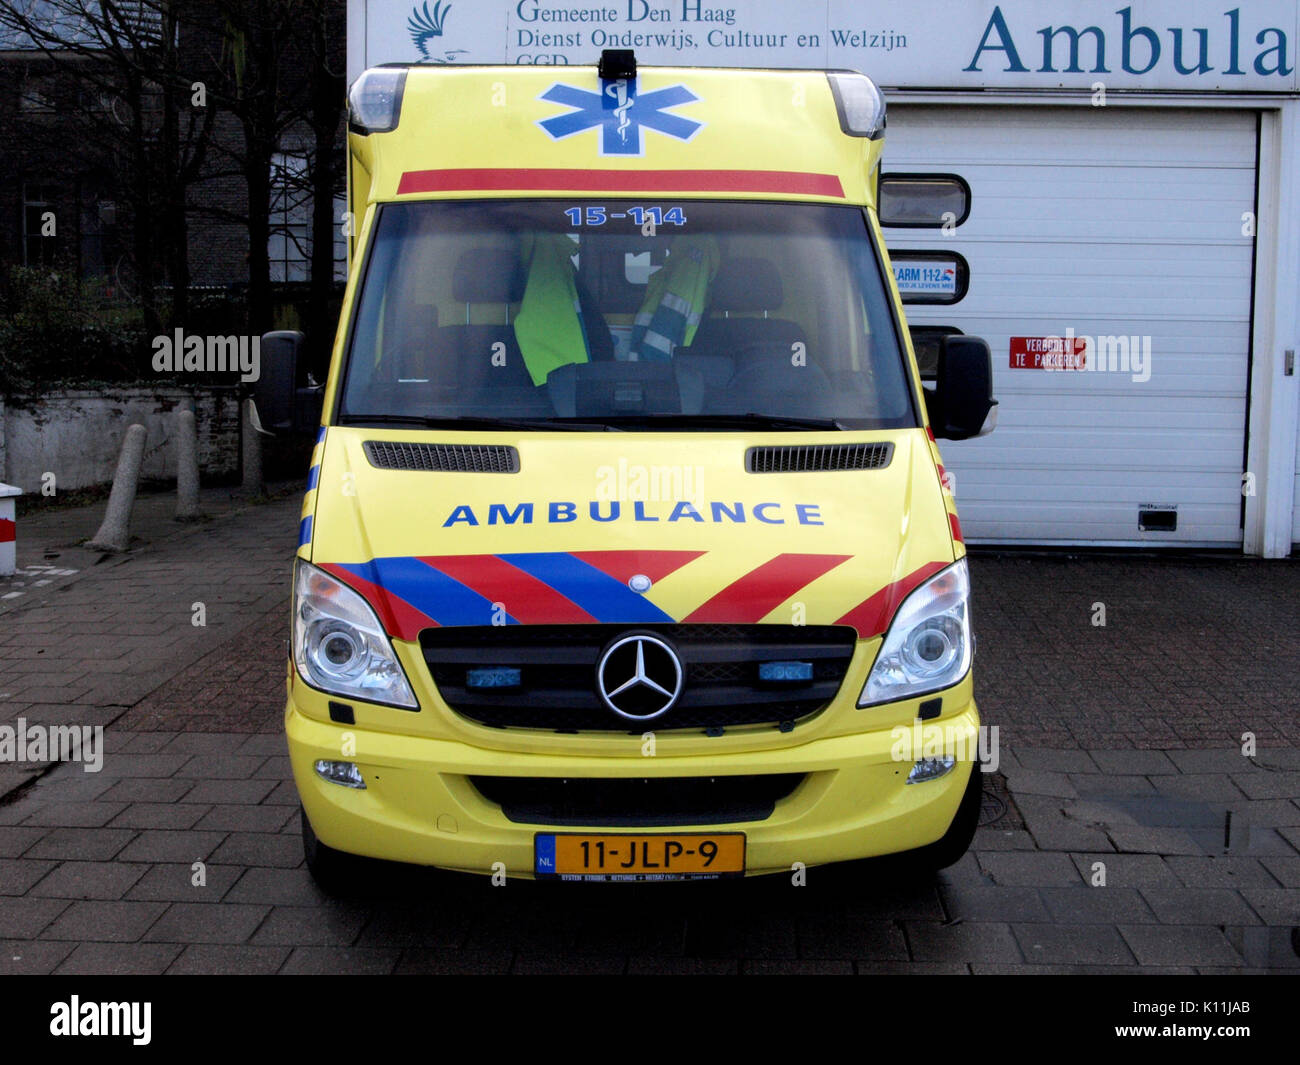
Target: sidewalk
1120, 745
89, 638
49, 543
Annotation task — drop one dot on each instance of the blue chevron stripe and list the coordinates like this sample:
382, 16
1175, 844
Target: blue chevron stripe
431, 592
600, 595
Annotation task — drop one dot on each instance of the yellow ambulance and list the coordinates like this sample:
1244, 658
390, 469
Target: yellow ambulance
627, 553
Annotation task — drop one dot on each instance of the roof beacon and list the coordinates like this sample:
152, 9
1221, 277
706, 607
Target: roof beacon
617, 63
861, 107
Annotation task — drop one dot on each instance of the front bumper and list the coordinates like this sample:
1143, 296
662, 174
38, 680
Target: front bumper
419, 806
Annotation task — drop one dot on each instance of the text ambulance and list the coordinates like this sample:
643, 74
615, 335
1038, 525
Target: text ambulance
627, 553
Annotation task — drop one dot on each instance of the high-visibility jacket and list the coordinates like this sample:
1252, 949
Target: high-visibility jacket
549, 327
675, 298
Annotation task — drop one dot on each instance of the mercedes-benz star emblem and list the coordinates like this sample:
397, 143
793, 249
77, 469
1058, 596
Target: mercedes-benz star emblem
639, 677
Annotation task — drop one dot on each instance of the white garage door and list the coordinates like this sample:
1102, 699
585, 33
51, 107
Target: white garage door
1112, 222
1295, 511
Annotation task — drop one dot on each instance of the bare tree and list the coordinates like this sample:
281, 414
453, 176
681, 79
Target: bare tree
250, 44
171, 70
120, 58
328, 79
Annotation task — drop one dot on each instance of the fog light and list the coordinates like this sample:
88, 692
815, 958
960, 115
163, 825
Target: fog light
345, 773
931, 769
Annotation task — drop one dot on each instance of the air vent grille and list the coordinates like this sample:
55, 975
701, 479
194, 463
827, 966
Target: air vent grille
808, 458
442, 458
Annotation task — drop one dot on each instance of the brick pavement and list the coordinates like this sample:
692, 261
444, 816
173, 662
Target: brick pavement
1149, 679
49, 541
1194, 652
98, 638
1120, 751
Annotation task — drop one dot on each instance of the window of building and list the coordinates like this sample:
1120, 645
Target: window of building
289, 246
40, 224
37, 96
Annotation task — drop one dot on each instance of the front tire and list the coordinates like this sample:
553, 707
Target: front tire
335, 872
949, 848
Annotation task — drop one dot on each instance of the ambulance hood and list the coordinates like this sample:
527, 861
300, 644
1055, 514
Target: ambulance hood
624, 528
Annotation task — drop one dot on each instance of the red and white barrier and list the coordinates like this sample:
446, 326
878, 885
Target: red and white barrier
8, 529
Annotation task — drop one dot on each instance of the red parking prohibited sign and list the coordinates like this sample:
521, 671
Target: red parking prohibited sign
1049, 353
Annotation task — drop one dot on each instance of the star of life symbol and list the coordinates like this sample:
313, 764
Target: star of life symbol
620, 113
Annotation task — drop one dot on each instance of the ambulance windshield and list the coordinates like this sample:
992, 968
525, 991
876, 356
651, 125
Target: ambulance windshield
625, 313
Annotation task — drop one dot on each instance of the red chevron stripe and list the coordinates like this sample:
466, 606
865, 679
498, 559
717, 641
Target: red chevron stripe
399, 618
624, 565
872, 616
956, 526
762, 590
526, 599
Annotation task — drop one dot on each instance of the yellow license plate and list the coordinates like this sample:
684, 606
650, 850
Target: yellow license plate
646, 856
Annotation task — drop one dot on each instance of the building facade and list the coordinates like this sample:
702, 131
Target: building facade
1133, 239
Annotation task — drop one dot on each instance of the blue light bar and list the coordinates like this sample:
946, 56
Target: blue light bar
492, 678
786, 672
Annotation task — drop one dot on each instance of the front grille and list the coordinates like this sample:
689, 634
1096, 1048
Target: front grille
637, 803
442, 458
557, 674
811, 458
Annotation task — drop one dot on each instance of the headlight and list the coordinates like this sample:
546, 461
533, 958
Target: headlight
928, 646
339, 645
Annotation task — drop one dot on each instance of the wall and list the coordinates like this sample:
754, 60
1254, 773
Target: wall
76, 435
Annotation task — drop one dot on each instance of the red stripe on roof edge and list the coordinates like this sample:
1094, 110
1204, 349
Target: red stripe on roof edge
788, 182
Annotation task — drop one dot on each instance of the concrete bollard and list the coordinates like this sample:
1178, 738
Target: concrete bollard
187, 466
8, 530
115, 532
252, 446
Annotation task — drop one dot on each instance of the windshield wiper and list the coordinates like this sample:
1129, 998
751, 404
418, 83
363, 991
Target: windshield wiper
747, 420
474, 421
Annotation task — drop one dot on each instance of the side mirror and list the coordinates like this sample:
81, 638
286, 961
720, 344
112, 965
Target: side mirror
274, 388
962, 405
283, 407
925, 343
